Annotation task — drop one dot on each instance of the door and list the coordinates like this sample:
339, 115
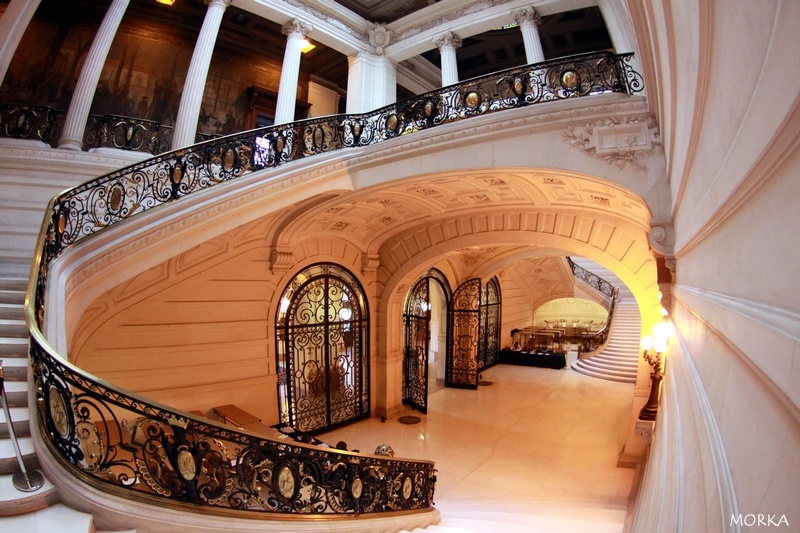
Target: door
323, 372
464, 324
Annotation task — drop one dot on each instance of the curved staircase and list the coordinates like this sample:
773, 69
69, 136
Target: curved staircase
38, 511
619, 358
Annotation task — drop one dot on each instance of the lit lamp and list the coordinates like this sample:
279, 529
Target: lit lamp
658, 344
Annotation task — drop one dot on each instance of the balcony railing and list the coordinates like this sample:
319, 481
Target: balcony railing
37, 123
135, 447
127, 133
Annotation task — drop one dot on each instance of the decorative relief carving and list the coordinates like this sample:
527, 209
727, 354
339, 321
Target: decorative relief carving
425, 192
526, 15
621, 141
329, 18
379, 38
645, 430
386, 220
296, 26
600, 200
480, 198
472, 257
448, 40
281, 260
496, 182
369, 263
449, 16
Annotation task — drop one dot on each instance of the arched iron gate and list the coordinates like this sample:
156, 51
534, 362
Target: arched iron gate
323, 361
464, 322
417, 318
490, 308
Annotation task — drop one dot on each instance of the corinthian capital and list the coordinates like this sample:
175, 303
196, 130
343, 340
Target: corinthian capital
296, 26
449, 39
527, 15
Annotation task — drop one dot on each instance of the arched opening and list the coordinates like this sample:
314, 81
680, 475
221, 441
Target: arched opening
322, 329
425, 335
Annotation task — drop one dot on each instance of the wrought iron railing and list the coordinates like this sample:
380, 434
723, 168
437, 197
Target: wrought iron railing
129, 444
127, 133
40, 123
591, 279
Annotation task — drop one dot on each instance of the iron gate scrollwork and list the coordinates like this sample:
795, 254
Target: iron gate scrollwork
417, 322
489, 352
323, 364
462, 359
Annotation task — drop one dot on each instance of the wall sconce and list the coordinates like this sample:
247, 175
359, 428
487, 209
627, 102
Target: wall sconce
658, 343
306, 46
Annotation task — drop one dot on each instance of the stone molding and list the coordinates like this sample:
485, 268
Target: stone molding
622, 141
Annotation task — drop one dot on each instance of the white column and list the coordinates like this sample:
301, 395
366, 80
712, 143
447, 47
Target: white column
295, 32
13, 24
371, 82
447, 44
78, 112
195, 84
529, 22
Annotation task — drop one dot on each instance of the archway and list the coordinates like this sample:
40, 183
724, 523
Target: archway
322, 329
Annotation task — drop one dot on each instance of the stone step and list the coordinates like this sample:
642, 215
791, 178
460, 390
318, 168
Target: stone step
11, 296
15, 503
19, 418
16, 311
8, 456
13, 327
13, 347
15, 368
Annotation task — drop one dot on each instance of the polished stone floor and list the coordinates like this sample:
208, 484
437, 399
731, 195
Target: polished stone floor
536, 450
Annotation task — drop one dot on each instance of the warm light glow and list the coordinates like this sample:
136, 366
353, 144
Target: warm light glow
662, 333
345, 313
167, 2
647, 342
664, 312
306, 46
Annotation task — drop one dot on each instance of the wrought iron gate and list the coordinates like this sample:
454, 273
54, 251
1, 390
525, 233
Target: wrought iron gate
417, 319
462, 359
323, 362
489, 350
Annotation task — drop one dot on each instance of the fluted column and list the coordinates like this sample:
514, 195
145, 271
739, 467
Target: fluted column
529, 22
78, 112
13, 24
295, 32
195, 84
447, 44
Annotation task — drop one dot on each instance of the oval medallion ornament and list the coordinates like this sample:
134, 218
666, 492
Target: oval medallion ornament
356, 487
176, 174
570, 79
61, 222
472, 100
21, 119
518, 86
58, 412
357, 130
129, 133
391, 123
279, 144
285, 482
407, 487
230, 157
430, 109
186, 465
115, 198
319, 137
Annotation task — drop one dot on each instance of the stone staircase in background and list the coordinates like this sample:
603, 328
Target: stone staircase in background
28, 512
618, 360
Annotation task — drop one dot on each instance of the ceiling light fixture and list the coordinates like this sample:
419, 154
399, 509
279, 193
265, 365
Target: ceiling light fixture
306, 46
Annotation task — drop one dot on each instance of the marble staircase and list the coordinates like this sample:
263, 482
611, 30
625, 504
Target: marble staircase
619, 358
38, 511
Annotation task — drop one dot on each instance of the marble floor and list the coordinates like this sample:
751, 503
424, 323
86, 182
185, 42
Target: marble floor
536, 450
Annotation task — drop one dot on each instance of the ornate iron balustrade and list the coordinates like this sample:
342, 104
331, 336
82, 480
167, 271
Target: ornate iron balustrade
592, 279
127, 133
116, 439
131, 447
30, 122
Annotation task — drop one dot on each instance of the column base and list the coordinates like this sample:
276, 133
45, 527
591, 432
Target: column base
70, 144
